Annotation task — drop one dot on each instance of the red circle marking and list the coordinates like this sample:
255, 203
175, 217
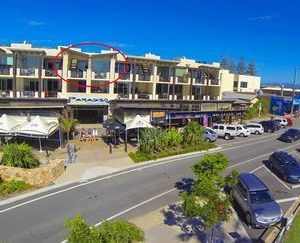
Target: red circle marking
71, 82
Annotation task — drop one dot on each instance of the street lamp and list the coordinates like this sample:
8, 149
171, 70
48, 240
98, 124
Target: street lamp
294, 87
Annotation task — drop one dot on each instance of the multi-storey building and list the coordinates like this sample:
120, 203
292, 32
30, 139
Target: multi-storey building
26, 72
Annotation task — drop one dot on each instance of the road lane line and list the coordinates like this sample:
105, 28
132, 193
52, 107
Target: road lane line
137, 169
286, 199
278, 179
295, 186
257, 169
131, 208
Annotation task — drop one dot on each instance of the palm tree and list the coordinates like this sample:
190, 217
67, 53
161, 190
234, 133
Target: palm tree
67, 124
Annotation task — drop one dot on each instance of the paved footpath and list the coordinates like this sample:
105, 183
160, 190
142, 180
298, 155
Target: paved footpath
133, 192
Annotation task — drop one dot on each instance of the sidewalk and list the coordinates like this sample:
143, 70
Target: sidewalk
93, 159
167, 224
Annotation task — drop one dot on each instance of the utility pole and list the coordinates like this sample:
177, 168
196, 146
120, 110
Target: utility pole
294, 87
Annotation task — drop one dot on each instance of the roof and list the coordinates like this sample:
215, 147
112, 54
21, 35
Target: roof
236, 95
252, 182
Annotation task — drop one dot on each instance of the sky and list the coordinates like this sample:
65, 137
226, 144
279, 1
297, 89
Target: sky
265, 31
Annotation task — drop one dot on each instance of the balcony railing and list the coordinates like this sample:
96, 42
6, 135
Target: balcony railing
164, 79
50, 94
198, 97
124, 96
77, 74
182, 80
144, 77
199, 81
100, 75
214, 82
27, 71
144, 96
5, 70
5, 93
163, 96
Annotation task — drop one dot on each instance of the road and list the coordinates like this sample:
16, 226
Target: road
134, 192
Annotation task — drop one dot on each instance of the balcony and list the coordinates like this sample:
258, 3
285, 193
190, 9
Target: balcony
164, 79
144, 77
6, 70
183, 80
100, 75
128, 76
199, 81
124, 96
198, 97
49, 94
27, 72
163, 96
144, 96
6, 93
49, 73
76, 74
214, 82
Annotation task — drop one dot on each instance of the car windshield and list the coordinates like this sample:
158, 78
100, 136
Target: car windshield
258, 197
245, 127
210, 131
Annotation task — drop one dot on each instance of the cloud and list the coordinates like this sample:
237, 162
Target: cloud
261, 18
35, 23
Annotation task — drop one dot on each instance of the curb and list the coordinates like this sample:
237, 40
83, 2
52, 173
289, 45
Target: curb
271, 235
85, 180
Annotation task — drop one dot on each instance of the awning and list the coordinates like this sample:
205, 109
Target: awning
137, 122
8, 124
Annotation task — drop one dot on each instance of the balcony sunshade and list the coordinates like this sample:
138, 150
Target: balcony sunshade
137, 122
38, 127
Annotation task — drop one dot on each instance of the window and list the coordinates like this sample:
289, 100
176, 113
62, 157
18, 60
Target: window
221, 127
231, 128
215, 127
244, 84
242, 189
235, 84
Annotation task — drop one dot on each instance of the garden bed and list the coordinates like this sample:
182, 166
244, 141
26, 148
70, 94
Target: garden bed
9, 188
142, 157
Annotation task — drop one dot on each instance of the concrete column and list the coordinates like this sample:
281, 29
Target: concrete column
174, 79
112, 75
89, 76
14, 80
154, 81
134, 78
40, 80
65, 69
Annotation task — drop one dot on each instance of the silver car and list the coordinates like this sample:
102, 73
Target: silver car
256, 201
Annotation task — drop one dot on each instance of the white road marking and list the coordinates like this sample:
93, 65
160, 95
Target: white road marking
278, 179
133, 170
286, 199
295, 186
257, 169
131, 208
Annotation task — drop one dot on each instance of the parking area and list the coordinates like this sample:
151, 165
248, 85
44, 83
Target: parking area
284, 193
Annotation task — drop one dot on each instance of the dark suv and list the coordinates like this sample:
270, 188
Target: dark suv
256, 201
269, 126
286, 166
290, 135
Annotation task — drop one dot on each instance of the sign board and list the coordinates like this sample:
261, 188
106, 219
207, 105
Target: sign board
158, 114
88, 101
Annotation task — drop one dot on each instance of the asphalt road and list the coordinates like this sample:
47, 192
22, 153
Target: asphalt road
135, 192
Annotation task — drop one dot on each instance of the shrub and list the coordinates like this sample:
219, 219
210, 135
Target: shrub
8, 187
193, 133
119, 231
19, 155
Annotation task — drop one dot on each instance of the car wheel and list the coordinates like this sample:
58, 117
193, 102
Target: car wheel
256, 133
269, 130
248, 219
207, 140
227, 136
242, 135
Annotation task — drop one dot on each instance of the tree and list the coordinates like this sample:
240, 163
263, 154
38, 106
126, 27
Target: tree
206, 198
193, 133
241, 69
251, 70
67, 124
231, 66
109, 231
224, 63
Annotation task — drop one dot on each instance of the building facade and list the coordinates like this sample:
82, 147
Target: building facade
26, 72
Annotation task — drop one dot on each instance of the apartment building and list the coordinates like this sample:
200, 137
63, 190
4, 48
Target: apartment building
26, 74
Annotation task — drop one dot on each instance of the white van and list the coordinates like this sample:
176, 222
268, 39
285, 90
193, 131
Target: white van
255, 128
225, 131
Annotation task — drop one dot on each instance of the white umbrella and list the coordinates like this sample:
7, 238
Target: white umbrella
137, 123
8, 124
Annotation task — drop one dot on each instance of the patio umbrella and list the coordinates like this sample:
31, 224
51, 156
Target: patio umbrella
137, 123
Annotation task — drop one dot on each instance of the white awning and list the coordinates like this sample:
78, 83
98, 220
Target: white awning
38, 127
137, 122
8, 124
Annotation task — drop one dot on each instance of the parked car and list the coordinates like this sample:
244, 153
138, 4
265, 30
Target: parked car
290, 121
290, 135
256, 201
242, 131
285, 165
210, 135
268, 126
225, 131
255, 128
277, 124
282, 121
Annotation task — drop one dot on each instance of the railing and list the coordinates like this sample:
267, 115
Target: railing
182, 80
199, 81
123, 96
164, 79
50, 94
5, 71
100, 75
27, 71
49, 73
144, 77
5, 93
163, 96
27, 94
198, 97
214, 82
128, 76
77, 74
143, 96
179, 96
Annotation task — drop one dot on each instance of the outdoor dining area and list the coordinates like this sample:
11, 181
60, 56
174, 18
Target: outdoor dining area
129, 131
14, 127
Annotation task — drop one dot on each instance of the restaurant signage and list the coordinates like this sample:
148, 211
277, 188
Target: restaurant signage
88, 101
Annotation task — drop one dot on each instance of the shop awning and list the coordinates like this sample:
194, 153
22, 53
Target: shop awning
8, 124
137, 122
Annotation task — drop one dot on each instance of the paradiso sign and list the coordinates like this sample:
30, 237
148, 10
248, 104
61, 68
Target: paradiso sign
88, 101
